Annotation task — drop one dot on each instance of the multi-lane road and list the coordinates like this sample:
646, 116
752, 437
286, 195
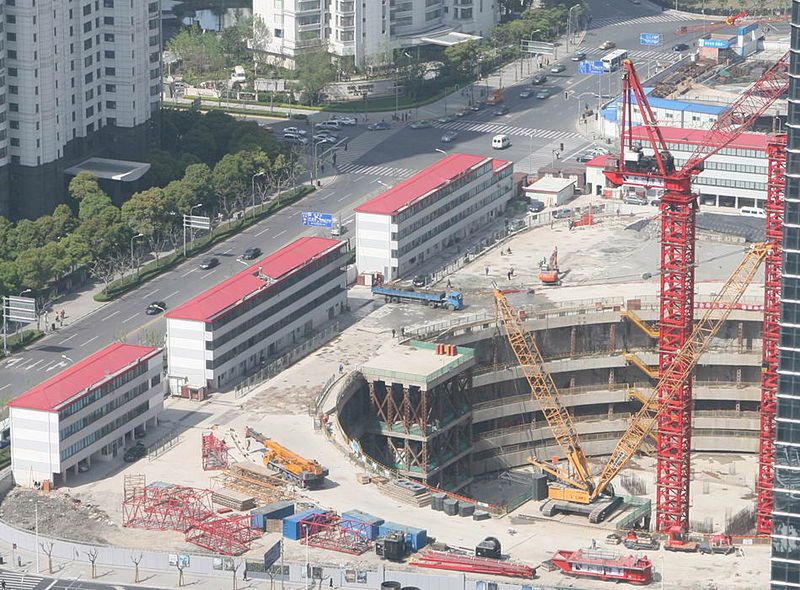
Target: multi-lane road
373, 160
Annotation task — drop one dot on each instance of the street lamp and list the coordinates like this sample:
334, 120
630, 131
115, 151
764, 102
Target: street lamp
25, 291
383, 184
133, 260
570, 32
440, 151
253, 189
66, 358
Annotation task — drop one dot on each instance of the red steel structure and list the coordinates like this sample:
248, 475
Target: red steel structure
215, 453
776, 183
678, 208
226, 536
329, 531
167, 508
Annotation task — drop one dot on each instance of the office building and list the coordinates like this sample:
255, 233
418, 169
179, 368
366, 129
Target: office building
451, 200
786, 510
369, 31
81, 78
87, 412
668, 112
236, 327
5, 185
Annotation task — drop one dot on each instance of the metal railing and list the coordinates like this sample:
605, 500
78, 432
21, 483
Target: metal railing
163, 445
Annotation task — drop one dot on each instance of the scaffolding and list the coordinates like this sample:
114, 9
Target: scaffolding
225, 536
163, 507
329, 531
256, 481
215, 453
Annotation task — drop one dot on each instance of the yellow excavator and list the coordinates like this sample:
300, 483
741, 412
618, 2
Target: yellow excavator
575, 489
307, 473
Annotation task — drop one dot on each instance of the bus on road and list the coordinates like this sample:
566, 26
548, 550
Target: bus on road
613, 61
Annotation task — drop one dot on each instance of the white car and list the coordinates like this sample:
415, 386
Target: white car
295, 130
328, 125
344, 120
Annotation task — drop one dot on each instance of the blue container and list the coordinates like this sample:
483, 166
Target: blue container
362, 517
275, 511
416, 538
257, 521
291, 524
363, 529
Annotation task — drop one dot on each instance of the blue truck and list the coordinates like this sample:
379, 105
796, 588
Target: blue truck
453, 300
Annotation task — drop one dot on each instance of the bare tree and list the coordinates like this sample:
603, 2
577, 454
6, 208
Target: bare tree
47, 547
92, 555
136, 559
154, 338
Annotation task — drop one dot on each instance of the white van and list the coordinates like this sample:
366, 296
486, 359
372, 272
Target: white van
500, 142
238, 75
752, 212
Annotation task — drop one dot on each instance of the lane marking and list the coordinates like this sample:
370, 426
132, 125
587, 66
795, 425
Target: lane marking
171, 294
5, 387
67, 339
111, 315
151, 293
280, 234
228, 250
130, 318
29, 367
90, 340
56, 366
208, 274
48, 366
266, 229
186, 274
345, 197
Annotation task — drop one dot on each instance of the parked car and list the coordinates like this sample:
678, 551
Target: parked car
299, 116
449, 136
463, 112
379, 126
535, 206
526, 93
266, 127
331, 124
344, 120
634, 199
251, 253
419, 281
562, 214
500, 111
558, 68
585, 157
333, 137
477, 106
578, 56
655, 202
155, 308
207, 263
539, 78
295, 130
135, 453
608, 45
678, 47
294, 138
422, 124
446, 119
545, 93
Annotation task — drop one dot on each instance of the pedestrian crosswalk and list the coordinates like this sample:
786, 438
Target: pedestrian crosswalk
635, 54
664, 17
16, 581
498, 128
387, 171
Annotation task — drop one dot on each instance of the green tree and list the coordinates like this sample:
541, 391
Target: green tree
92, 205
314, 71
27, 235
35, 267
7, 239
462, 57
232, 178
199, 180
198, 52
151, 214
9, 278
84, 185
260, 40
201, 142
164, 168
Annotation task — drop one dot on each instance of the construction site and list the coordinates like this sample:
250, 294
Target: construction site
602, 409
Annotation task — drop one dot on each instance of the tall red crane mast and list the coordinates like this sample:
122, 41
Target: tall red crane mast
678, 209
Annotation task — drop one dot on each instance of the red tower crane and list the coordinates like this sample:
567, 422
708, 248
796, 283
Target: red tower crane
776, 183
636, 166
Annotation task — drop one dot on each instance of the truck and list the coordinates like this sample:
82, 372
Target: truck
453, 300
678, 540
639, 540
495, 97
722, 544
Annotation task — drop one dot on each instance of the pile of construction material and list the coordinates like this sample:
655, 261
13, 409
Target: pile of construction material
459, 562
455, 507
256, 481
233, 499
405, 490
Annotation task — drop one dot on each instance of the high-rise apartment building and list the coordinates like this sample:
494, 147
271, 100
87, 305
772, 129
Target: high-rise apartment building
786, 511
82, 78
369, 30
4, 157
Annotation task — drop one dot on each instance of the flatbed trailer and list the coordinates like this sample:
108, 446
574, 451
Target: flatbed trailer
453, 300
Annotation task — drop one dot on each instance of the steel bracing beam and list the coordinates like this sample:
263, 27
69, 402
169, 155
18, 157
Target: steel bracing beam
776, 183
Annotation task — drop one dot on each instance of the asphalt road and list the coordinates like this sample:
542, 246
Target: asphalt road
17, 581
373, 160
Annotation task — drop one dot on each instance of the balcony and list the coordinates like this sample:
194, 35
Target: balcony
307, 7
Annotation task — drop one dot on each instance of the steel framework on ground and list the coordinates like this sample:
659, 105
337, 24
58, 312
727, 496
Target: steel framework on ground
328, 531
215, 453
226, 536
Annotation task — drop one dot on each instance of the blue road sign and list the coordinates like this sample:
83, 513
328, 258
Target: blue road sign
591, 67
314, 219
271, 556
653, 39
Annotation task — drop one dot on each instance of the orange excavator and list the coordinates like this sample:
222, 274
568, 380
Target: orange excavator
549, 274
307, 473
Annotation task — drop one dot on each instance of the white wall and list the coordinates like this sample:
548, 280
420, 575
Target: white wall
34, 445
186, 354
374, 243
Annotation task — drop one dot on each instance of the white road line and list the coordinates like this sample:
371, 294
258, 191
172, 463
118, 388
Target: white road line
67, 339
325, 197
56, 366
90, 340
48, 366
228, 250
130, 318
266, 229
208, 274
5, 387
111, 315
171, 294
280, 234
186, 274
151, 293
347, 196
29, 367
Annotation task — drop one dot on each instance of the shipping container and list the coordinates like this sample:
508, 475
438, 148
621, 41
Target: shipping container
291, 524
416, 538
276, 510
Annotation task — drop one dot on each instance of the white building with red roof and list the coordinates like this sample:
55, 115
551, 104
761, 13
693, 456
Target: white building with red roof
734, 177
456, 197
241, 324
89, 411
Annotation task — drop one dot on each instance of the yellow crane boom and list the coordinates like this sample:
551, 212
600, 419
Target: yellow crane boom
545, 392
684, 362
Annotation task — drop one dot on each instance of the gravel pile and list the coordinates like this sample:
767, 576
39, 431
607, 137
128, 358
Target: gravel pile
60, 515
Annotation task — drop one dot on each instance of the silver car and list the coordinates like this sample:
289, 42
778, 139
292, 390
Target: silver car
449, 136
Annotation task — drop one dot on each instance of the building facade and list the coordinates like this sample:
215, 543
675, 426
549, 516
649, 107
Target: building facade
450, 200
239, 325
369, 31
81, 78
734, 177
89, 411
785, 573
668, 112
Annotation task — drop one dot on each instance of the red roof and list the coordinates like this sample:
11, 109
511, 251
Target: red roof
598, 161
753, 141
79, 377
499, 164
232, 291
420, 185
